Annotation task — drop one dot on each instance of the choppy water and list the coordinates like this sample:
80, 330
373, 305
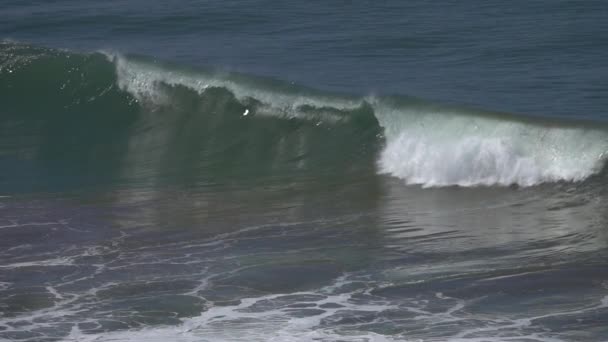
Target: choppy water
230, 171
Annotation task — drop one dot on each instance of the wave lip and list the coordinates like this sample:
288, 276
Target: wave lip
434, 149
144, 79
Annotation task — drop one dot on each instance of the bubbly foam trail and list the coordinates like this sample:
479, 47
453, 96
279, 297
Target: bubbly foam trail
266, 318
272, 318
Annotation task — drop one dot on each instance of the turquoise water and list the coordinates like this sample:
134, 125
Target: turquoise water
230, 171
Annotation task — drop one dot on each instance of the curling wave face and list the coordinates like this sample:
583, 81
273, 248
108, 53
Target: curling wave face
182, 116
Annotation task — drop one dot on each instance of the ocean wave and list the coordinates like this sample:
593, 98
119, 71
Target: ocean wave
421, 143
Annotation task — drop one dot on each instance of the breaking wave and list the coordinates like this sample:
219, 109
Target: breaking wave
419, 142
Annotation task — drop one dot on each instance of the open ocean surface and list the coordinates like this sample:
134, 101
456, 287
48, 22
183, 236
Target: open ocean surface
303, 171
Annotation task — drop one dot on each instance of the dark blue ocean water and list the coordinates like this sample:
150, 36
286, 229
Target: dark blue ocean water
531, 57
303, 171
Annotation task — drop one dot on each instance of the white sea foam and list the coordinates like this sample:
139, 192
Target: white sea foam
245, 322
59, 261
270, 318
449, 148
